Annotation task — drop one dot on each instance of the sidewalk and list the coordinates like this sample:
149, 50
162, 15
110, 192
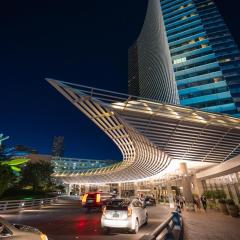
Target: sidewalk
212, 225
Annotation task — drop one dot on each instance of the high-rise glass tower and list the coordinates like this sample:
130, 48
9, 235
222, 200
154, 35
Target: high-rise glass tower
205, 58
150, 65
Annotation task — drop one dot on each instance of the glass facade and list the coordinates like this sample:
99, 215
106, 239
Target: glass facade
230, 184
205, 57
79, 165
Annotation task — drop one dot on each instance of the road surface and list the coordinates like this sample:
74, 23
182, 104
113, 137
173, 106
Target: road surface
66, 220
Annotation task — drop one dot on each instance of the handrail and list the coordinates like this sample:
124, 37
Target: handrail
112, 96
170, 229
18, 205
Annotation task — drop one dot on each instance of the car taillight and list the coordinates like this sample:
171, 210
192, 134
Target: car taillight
129, 212
98, 198
84, 199
104, 211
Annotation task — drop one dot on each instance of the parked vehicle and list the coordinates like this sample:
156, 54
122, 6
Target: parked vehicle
149, 201
93, 200
10, 231
124, 214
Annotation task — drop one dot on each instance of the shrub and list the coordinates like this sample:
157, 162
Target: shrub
208, 194
37, 175
222, 200
230, 202
216, 194
166, 200
17, 193
7, 178
219, 194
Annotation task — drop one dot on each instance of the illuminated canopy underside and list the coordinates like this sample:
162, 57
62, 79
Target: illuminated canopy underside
150, 134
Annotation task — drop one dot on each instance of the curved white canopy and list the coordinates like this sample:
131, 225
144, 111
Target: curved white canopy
150, 134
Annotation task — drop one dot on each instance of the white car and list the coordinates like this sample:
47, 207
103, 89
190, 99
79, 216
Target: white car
10, 231
124, 214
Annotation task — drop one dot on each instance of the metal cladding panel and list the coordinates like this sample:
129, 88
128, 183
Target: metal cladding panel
154, 73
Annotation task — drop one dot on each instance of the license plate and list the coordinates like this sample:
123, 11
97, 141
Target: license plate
116, 215
89, 201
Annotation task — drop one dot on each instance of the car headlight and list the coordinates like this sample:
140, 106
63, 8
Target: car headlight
43, 236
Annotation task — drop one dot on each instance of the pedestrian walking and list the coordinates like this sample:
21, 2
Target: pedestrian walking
181, 201
177, 199
204, 202
178, 204
197, 203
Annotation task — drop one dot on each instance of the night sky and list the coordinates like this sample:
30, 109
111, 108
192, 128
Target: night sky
83, 42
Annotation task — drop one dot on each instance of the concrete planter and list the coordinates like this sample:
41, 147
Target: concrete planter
233, 210
223, 208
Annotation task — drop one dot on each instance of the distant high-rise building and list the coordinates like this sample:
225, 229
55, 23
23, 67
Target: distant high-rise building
205, 57
58, 146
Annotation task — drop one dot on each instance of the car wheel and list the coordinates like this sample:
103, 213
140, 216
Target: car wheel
105, 230
136, 227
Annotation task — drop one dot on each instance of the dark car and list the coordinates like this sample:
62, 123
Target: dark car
95, 200
149, 201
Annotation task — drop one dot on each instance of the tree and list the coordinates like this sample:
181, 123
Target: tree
37, 175
6, 177
60, 188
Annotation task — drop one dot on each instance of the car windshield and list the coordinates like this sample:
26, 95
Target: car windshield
118, 204
148, 198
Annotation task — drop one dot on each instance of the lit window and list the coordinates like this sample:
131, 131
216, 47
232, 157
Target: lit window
217, 80
192, 41
201, 38
225, 60
179, 60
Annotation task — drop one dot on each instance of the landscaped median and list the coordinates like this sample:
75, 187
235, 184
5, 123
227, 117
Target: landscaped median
9, 206
32, 187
